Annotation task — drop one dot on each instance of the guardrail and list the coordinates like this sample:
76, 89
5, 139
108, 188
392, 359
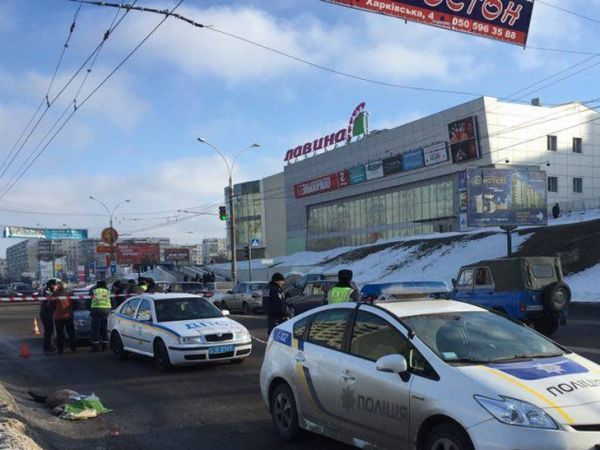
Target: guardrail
41, 298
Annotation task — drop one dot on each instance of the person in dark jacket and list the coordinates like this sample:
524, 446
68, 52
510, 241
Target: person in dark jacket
556, 211
117, 292
275, 302
62, 306
46, 315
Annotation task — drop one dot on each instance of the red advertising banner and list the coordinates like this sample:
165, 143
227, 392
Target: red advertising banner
316, 186
343, 178
502, 20
180, 254
138, 253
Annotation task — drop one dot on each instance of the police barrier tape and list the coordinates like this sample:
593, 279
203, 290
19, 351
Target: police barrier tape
41, 298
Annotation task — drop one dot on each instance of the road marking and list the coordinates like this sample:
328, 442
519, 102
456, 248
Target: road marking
593, 351
259, 340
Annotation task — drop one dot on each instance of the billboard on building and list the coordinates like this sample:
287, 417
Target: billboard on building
44, 233
374, 169
316, 186
343, 178
138, 253
502, 20
178, 254
413, 159
506, 197
435, 153
357, 174
463, 140
391, 165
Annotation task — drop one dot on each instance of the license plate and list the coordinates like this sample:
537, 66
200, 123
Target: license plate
535, 308
220, 349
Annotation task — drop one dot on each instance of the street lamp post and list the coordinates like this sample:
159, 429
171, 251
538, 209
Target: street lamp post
232, 231
111, 215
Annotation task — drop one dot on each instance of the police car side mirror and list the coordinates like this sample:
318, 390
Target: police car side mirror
392, 364
225, 312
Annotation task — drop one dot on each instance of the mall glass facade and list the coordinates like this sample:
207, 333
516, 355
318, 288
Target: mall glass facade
402, 211
248, 211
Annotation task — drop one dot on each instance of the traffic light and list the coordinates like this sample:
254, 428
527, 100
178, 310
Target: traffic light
222, 213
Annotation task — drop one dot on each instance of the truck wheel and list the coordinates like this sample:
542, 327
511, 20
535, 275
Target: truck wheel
556, 297
547, 326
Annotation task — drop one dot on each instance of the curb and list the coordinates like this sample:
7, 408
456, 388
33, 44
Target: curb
13, 432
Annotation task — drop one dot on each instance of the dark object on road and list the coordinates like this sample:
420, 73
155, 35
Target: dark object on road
556, 211
529, 289
56, 398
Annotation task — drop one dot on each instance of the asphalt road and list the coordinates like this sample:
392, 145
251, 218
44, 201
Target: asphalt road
202, 407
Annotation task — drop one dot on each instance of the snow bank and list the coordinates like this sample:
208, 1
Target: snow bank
585, 285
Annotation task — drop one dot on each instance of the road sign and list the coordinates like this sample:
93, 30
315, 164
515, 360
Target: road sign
113, 267
110, 235
255, 243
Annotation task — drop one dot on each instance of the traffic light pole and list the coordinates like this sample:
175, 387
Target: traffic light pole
250, 261
232, 233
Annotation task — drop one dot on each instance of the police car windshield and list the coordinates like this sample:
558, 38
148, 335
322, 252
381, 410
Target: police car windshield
479, 337
176, 309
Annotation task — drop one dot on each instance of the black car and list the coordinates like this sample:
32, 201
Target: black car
296, 287
313, 296
21, 290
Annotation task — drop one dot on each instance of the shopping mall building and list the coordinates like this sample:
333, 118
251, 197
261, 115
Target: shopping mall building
411, 179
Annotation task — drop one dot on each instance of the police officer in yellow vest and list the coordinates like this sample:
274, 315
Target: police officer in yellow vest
344, 290
100, 307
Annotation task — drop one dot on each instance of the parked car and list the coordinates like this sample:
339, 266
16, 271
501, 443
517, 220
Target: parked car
246, 297
184, 287
530, 289
83, 323
404, 290
296, 286
21, 290
313, 295
4, 292
216, 291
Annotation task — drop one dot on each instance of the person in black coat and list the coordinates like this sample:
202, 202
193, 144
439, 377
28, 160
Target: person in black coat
275, 302
46, 315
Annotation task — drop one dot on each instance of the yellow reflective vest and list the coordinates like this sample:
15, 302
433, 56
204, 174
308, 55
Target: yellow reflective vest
101, 299
339, 295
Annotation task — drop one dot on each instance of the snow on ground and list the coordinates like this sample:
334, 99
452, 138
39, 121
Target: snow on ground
585, 285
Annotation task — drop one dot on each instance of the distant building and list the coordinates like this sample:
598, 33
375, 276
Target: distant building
22, 260
3, 269
214, 250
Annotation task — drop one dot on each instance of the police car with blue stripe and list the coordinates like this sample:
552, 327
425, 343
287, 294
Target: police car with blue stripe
177, 329
428, 374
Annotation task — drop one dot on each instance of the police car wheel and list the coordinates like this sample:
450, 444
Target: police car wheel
284, 413
116, 344
447, 436
161, 356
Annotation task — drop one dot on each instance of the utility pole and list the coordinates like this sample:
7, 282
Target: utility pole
232, 229
250, 260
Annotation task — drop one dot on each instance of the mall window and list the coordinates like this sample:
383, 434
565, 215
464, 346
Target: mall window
578, 185
577, 145
552, 184
380, 215
552, 143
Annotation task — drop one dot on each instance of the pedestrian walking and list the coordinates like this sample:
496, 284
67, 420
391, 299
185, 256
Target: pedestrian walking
344, 290
100, 307
275, 302
62, 306
46, 315
556, 211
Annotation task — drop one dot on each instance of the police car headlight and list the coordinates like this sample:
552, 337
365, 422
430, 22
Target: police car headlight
242, 335
190, 340
516, 412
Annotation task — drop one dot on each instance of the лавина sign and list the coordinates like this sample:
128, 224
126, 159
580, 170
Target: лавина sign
357, 126
502, 20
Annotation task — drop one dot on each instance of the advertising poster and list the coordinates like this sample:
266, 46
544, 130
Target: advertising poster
44, 233
343, 178
462, 200
506, 197
462, 181
435, 153
392, 165
180, 254
413, 159
357, 174
316, 186
502, 20
66, 233
463, 140
128, 254
374, 170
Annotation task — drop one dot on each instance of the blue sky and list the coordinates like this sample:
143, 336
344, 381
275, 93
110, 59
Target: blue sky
136, 138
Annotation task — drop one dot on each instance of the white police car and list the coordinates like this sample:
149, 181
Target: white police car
428, 375
176, 329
